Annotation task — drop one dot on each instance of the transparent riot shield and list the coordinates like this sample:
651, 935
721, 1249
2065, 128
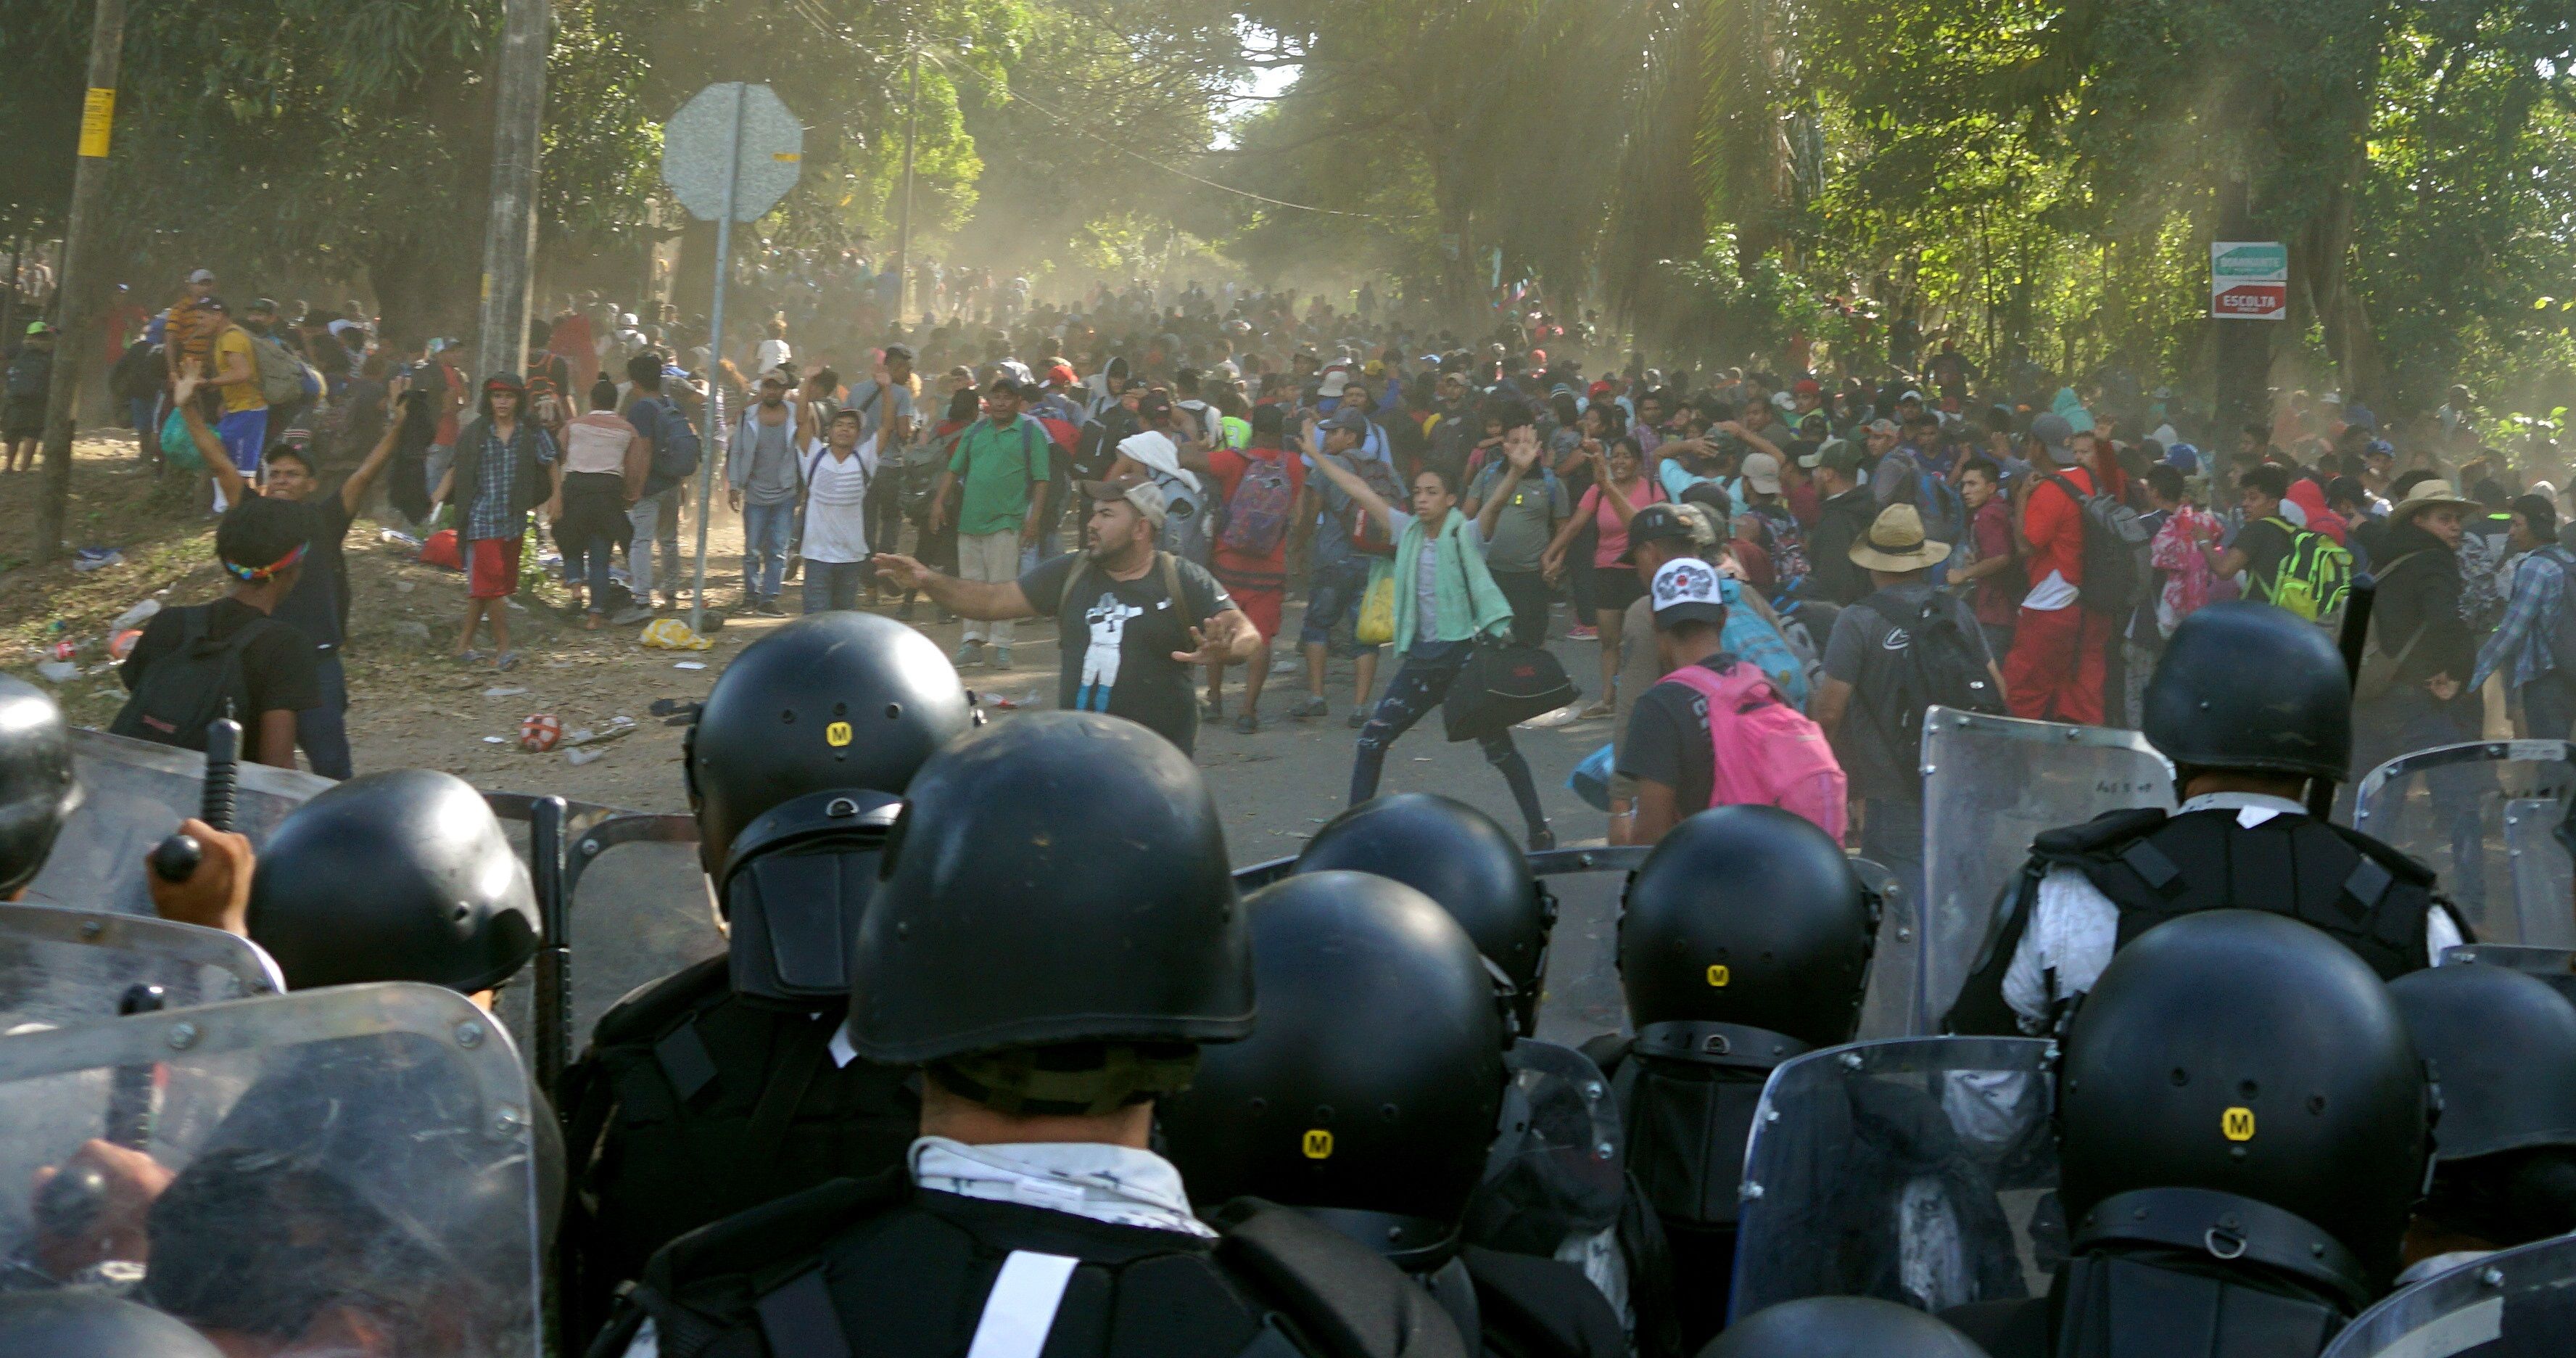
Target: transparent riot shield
2490, 817
133, 795
2542, 871
60, 967
2557, 966
1555, 1178
1891, 1007
2519, 1303
346, 1170
1919, 1170
640, 909
1991, 785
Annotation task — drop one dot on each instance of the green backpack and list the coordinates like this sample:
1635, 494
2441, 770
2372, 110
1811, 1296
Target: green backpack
2314, 576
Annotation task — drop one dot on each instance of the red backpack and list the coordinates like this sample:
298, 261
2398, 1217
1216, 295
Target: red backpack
1766, 752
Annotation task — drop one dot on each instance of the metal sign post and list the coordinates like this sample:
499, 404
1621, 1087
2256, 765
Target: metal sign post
729, 154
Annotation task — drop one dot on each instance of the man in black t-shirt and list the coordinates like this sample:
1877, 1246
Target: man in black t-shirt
261, 544
1128, 646
2264, 540
318, 605
1667, 749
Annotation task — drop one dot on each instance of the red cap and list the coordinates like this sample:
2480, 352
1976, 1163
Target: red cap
1062, 372
1807, 386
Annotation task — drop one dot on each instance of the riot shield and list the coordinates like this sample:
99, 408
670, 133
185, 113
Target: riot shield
343, 1170
2491, 818
2519, 1303
1555, 1178
1990, 786
2557, 966
1919, 1170
133, 795
61, 967
640, 909
1891, 1006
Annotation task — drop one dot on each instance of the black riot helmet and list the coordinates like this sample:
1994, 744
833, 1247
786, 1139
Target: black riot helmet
403, 875
2248, 686
37, 789
792, 892
1840, 1327
75, 1324
1750, 916
2503, 1045
1457, 856
1058, 880
830, 701
2244, 1057
1370, 1090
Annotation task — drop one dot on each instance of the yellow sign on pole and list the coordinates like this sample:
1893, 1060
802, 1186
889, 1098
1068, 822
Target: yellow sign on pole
98, 114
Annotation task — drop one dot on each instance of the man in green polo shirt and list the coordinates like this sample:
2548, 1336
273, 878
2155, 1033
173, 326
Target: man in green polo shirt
1003, 458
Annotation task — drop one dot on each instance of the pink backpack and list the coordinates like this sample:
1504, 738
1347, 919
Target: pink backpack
1767, 752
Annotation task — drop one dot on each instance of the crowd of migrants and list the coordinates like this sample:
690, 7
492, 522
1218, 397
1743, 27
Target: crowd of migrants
1001, 1058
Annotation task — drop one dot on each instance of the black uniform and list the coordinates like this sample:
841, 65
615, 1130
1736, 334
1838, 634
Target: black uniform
878, 1266
2155, 866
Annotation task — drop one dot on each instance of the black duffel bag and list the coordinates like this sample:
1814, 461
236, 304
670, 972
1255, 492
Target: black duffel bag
1502, 685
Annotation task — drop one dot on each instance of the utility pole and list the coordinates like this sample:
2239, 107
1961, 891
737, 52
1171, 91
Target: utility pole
903, 234
2244, 348
510, 235
74, 286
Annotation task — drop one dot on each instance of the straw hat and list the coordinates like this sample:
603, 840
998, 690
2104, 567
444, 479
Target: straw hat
1896, 543
2427, 495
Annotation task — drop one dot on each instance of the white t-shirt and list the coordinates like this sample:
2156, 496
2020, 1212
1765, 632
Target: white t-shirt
836, 523
771, 353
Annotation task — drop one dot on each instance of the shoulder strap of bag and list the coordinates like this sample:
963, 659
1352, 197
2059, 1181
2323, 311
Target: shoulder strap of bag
1172, 586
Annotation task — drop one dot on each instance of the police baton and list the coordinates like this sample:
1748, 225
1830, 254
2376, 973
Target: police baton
551, 1023
175, 859
2354, 641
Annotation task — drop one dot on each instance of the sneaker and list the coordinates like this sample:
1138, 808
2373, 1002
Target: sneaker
1358, 718
1001, 657
506, 660
1600, 709
1542, 839
969, 655
903, 611
1212, 711
1247, 725
1579, 632
1310, 708
769, 609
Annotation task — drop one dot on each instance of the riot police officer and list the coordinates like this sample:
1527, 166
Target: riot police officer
1457, 856
37, 787
2243, 1125
1367, 1099
1744, 940
2250, 703
1055, 936
403, 875
2503, 1045
719, 1087
1840, 1327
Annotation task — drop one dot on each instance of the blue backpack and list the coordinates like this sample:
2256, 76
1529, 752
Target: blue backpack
1749, 638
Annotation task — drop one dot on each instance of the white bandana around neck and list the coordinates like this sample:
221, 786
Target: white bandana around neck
1116, 1184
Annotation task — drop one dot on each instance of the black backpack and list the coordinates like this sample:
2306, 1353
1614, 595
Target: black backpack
189, 687
2116, 543
1937, 664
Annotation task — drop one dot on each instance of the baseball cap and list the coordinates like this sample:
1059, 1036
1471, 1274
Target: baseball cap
1762, 472
1061, 372
1144, 495
1346, 418
39, 328
1884, 426
263, 304
1655, 523
1807, 386
1686, 589
1914, 396
1840, 455
901, 351
202, 276
2052, 430
1335, 383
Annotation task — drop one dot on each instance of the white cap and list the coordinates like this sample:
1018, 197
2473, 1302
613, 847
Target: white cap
1687, 589
1762, 473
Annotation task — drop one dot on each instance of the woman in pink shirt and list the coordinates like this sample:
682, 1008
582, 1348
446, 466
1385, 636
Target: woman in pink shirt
1619, 486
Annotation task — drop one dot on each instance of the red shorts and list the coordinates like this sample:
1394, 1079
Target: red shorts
1257, 594
491, 568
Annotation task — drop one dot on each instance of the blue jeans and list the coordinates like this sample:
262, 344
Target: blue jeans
323, 731
833, 584
1417, 688
587, 564
764, 547
1331, 592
